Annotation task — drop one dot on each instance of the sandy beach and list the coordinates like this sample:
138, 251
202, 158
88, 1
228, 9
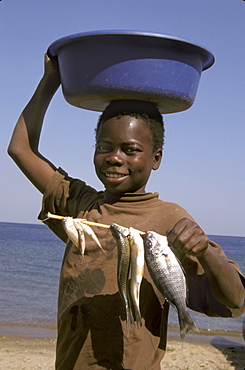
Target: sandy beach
30, 348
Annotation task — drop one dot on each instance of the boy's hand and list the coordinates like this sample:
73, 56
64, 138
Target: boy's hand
188, 238
51, 70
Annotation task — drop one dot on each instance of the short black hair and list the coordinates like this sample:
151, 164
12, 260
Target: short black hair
147, 111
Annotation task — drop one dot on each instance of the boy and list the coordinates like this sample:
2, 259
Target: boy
92, 332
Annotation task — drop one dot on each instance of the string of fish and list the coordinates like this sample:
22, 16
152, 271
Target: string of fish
134, 248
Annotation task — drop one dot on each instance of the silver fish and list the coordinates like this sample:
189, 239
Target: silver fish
137, 262
71, 230
76, 230
120, 235
168, 276
82, 229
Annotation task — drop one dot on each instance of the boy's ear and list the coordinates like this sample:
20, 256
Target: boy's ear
157, 159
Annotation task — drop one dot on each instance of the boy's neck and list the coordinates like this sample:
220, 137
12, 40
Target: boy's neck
126, 197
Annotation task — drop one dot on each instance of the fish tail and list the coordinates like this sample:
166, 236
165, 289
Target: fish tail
128, 310
186, 324
130, 320
131, 305
129, 316
137, 316
97, 241
135, 306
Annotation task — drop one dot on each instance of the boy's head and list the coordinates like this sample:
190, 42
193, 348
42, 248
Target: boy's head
129, 139
144, 110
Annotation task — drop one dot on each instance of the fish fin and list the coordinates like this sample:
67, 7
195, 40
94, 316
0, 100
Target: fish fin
171, 304
184, 272
181, 266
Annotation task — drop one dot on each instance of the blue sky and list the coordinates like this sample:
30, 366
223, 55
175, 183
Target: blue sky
203, 164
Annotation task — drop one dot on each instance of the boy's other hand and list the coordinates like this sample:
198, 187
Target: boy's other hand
51, 70
188, 238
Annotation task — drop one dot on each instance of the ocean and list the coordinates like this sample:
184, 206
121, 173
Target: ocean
31, 256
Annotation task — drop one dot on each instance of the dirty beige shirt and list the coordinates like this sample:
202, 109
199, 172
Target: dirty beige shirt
92, 330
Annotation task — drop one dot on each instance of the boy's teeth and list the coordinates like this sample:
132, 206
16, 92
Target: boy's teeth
114, 175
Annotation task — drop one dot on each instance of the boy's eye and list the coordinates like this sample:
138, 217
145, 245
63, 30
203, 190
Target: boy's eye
131, 150
102, 148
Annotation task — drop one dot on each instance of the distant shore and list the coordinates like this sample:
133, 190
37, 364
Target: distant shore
33, 347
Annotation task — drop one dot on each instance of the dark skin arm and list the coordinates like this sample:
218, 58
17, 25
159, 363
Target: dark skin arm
23, 147
226, 286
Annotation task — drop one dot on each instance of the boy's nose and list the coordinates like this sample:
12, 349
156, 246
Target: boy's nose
115, 158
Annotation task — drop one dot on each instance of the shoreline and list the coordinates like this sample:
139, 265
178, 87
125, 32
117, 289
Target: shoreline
32, 347
50, 332
27, 330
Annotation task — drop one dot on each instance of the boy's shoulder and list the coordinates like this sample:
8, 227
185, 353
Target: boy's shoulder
170, 206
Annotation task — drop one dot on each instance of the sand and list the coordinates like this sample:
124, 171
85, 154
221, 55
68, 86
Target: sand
211, 352
29, 349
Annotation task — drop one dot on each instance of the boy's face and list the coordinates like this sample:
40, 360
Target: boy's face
123, 156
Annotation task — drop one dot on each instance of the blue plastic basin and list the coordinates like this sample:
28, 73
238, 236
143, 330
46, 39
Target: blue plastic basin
98, 67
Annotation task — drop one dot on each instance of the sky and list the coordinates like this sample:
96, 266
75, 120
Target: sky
203, 165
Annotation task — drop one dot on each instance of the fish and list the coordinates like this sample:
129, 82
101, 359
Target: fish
120, 235
82, 229
168, 276
71, 230
76, 230
137, 262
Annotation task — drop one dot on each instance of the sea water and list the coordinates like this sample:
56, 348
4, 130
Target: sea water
30, 258
30, 261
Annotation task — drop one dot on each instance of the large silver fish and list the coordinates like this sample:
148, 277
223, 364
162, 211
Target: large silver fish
137, 262
120, 235
168, 276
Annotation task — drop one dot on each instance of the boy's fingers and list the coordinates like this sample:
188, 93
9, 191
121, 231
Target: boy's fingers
179, 234
188, 237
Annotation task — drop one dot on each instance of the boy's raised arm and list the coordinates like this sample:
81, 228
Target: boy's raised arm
23, 147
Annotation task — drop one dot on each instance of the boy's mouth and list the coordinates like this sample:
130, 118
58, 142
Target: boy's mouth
115, 175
